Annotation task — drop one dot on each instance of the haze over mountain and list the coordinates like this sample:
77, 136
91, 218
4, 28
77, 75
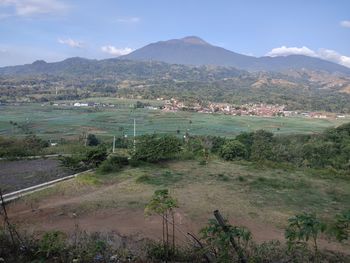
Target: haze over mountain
193, 50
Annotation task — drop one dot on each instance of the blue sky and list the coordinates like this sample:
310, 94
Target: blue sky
57, 29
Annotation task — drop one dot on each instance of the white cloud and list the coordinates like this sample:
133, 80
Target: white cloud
116, 51
286, 51
129, 20
322, 53
70, 42
334, 56
345, 23
34, 7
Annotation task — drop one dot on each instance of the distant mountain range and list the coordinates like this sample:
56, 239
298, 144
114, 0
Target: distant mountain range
187, 51
193, 50
188, 69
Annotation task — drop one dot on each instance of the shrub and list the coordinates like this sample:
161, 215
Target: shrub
262, 146
92, 140
112, 164
219, 240
233, 149
247, 140
13, 147
92, 158
73, 163
341, 227
95, 156
302, 228
152, 148
52, 243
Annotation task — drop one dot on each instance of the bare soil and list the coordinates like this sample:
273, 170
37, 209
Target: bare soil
57, 213
19, 174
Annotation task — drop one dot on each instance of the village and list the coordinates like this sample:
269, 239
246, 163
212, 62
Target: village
175, 105
250, 109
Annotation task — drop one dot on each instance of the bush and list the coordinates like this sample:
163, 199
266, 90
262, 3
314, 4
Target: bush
302, 228
158, 252
92, 140
341, 227
52, 244
13, 147
95, 156
262, 146
194, 145
233, 149
152, 148
73, 163
92, 158
112, 164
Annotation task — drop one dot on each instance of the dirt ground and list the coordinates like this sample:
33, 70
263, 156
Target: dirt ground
57, 213
16, 175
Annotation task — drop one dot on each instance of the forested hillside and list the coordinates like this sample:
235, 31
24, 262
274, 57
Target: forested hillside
78, 78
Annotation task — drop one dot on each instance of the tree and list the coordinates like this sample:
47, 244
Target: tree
163, 204
233, 149
262, 146
92, 140
246, 139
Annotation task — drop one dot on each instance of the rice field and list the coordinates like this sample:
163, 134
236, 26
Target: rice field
55, 122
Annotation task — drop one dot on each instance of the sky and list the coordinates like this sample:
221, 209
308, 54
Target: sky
53, 30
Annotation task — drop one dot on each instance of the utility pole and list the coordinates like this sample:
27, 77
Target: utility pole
134, 135
86, 139
113, 144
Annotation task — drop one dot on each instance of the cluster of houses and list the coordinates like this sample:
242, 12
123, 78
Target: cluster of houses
257, 109
267, 110
174, 105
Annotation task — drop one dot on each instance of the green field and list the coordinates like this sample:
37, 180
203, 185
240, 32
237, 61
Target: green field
54, 122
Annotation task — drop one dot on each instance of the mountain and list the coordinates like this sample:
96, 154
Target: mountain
193, 50
117, 70
79, 78
190, 50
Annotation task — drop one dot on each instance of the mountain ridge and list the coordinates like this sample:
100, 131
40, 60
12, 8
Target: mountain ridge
188, 51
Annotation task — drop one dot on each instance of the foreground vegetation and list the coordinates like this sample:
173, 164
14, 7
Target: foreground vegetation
296, 182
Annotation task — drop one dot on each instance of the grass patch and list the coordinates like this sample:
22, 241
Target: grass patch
241, 178
223, 177
165, 178
262, 182
89, 179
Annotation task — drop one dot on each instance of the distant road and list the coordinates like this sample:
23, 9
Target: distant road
26, 191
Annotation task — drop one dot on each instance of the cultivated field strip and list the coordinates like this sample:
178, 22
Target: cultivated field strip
26, 191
